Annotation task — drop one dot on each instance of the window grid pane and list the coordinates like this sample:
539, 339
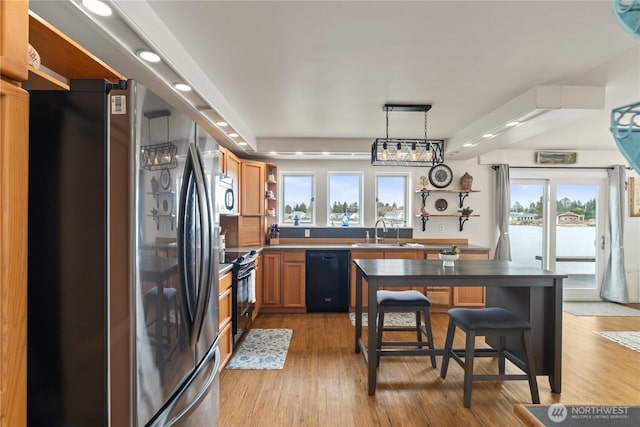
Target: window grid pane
297, 199
391, 203
344, 193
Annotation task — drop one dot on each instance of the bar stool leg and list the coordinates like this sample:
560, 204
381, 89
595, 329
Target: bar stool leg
501, 361
427, 324
469, 352
530, 366
448, 345
380, 328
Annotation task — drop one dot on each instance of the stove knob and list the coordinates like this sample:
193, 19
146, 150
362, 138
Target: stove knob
252, 253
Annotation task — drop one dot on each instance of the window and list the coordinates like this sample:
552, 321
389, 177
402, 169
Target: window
297, 198
391, 199
344, 193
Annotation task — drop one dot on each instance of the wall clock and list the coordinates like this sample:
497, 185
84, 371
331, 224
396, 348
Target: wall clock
440, 176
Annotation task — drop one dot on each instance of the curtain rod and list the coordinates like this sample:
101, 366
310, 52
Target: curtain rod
495, 167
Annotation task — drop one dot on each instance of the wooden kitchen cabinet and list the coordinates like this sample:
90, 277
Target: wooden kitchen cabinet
293, 279
464, 296
242, 231
283, 282
405, 254
259, 278
225, 301
361, 255
14, 191
251, 188
271, 280
14, 39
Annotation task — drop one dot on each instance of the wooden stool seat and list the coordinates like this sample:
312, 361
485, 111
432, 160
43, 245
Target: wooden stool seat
402, 302
489, 322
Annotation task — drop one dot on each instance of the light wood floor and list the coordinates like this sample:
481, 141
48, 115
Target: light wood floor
324, 382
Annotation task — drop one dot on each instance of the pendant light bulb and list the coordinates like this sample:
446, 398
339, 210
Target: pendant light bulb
385, 153
414, 152
399, 151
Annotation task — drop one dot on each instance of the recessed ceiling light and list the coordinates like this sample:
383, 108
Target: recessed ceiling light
182, 87
325, 153
233, 135
298, 153
242, 143
222, 124
468, 144
148, 56
97, 7
488, 135
512, 124
272, 152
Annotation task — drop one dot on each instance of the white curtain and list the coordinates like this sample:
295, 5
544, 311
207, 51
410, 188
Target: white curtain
503, 207
614, 284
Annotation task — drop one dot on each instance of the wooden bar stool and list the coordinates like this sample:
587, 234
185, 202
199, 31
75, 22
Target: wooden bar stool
402, 302
489, 322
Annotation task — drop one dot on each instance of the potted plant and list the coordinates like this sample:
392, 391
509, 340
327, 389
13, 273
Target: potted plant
448, 256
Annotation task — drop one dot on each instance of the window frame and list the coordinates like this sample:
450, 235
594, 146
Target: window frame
408, 219
282, 195
360, 175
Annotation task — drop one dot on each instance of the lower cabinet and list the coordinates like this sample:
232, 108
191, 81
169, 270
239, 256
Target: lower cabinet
283, 281
442, 298
225, 301
361, 255
462, 296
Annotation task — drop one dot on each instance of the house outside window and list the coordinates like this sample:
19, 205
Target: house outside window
344, 195
391, 199
298, 207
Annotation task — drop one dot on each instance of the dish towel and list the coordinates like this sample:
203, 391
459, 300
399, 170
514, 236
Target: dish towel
252, 286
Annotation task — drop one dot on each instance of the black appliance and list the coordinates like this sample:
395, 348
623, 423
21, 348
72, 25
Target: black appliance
327, 281
123, 284
243, 291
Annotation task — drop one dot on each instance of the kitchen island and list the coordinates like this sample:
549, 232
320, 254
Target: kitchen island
532, 293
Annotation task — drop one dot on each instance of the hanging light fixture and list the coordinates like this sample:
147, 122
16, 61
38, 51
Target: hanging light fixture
407, 152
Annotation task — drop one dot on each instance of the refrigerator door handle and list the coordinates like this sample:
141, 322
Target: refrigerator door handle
194, 303
206, 221
213, 355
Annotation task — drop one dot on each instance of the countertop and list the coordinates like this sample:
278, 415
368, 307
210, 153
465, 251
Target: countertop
349, 246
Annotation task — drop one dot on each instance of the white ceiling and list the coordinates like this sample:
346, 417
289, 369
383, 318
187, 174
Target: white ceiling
314, 75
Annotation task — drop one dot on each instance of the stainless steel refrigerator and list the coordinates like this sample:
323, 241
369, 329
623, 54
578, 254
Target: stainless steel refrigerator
123, 266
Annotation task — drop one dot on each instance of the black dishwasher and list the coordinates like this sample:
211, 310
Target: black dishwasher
327, 281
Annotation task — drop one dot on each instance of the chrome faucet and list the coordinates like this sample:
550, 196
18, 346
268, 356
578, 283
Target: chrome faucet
375, 230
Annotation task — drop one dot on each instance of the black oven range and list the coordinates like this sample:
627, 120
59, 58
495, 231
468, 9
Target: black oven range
243, 288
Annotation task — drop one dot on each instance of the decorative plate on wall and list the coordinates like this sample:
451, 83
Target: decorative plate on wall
441, 205
440, 176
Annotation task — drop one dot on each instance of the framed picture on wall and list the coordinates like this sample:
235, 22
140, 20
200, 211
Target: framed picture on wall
634, 197
556, 157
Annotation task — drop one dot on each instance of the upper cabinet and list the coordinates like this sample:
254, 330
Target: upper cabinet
14, 39
64, 57
252, 188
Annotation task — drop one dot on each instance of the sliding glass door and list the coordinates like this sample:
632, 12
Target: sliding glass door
557, 222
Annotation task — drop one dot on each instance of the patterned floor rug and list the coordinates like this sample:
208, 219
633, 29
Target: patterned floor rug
627, 339
390, 319
262, 349
598, 309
